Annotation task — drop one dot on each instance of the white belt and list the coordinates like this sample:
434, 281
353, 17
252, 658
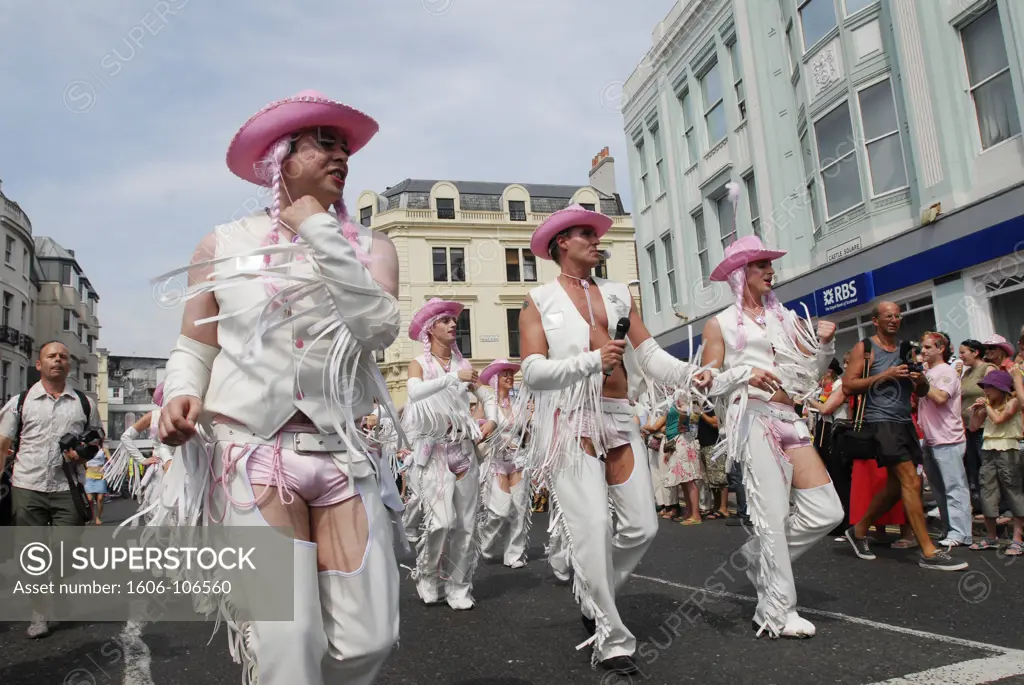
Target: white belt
787, 414
297, 442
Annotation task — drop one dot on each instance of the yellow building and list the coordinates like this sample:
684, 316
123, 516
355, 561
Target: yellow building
470, 242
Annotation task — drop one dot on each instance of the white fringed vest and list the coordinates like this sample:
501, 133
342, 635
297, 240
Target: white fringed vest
761, 344
262, 392
568, 332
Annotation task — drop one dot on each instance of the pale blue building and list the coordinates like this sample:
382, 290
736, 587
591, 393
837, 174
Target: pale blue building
878, 142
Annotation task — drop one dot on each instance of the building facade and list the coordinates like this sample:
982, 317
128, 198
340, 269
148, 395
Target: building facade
470, 242
878, 142
129, 383
66, 310
20, 286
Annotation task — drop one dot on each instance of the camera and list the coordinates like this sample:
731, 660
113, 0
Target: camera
908, 354
80, 444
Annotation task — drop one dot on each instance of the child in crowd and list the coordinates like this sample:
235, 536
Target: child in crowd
1001, 473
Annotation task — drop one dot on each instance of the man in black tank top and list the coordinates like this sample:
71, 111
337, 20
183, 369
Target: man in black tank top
887, 388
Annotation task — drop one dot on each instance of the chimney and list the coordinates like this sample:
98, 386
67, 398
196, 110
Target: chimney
602, 173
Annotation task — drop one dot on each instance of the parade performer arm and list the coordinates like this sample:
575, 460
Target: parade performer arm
486, 398
728, 381
134, 432
419, 389
541, 373
367, 310
190, 362
437, 408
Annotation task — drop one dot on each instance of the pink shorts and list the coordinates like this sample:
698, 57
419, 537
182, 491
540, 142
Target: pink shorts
455, 455
614, 431
783, 430
313, 478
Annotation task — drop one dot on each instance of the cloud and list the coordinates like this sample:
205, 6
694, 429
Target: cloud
119, 113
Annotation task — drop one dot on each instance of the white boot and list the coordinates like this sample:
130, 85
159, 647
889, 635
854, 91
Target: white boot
360, 609
412, 517
519, 525
498, 506
435, 489
462, 548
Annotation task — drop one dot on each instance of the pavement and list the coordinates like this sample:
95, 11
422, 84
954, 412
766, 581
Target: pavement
689, 605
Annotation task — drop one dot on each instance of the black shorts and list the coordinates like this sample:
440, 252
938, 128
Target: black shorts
895, 443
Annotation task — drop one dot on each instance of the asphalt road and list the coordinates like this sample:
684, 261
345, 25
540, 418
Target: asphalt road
689, 605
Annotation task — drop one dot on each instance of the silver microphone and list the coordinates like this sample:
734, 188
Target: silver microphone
606, 254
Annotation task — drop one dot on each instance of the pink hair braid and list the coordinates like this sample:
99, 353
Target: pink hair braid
737, 281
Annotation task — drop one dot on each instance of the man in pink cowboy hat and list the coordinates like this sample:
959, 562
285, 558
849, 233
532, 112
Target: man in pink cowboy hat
766, 358
504, 491
585, 442
284, 312
1000, 352
444, 474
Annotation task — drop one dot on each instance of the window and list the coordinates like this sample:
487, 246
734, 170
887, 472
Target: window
8, 301
659, 157
853, 6
688, 132
601, 270
817, 17
92, 343
445, 208
838, 157
378, 356
810, 182
714, 105
755, 211
670, 269
643, 173
440, 264
737, 77
5, 374
988, 71
588, 205
70, 321
24, 262
652, 258
517, 210
882, 138
726, 221
463, 335
366, 216
9, 250
23, 376
24, 314
512, 324
702, 247
513, 258
65, 274
81, 332
449, 260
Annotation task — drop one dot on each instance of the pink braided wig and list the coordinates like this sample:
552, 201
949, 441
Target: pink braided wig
737, 279
461, 362
272, 166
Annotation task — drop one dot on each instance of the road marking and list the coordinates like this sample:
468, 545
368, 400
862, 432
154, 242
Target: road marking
1016, 654
973, 672
136, 655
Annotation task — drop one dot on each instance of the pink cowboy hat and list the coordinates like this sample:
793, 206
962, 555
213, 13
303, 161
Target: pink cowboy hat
573, 215
496, 367
434, 307
1000, 342
305, 110
747, 249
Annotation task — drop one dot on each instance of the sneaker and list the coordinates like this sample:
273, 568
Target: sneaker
949, 543
861, 546
460, 603
518, 563
38, 628
942, 561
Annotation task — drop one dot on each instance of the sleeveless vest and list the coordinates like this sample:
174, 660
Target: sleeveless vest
264, 391
760, 347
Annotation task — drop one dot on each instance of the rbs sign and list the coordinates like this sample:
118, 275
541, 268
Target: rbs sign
854, 291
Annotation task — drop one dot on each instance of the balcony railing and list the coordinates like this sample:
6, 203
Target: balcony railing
26, 344
10, 336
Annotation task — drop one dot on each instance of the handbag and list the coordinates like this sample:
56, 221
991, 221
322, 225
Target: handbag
654, 441
852, 438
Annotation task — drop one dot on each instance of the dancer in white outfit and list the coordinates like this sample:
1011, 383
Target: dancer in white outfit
584, 439
504, 488
285, 310
128, 456
766, 358
444, 473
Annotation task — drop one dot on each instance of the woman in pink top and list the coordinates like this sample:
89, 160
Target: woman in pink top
940, 418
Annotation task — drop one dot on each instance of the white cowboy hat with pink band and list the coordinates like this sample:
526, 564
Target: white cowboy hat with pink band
563, 220
743, 251
497, 367
1000, 342
424, 319
307, 109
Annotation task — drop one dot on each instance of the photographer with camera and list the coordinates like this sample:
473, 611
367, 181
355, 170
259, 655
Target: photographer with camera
885, 370
54, 431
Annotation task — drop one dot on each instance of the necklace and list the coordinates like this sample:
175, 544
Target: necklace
585, 284
757, 316
446, 364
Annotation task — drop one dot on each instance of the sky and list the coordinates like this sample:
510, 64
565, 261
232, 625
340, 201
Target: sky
116, 114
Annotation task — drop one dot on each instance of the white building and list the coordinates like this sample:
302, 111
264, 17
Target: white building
878, 142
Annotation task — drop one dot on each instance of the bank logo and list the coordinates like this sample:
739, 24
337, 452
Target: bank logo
838, 294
